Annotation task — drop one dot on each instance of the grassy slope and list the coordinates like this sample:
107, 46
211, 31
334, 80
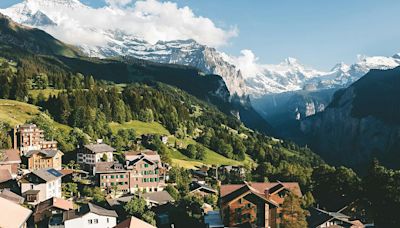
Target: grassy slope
212, 158
15, 112
141, 128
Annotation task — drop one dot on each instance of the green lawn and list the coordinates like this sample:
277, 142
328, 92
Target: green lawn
15, 112
140, 127
211, 158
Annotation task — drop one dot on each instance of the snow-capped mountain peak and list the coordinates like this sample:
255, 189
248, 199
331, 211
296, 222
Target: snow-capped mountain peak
341, 67
55, 15
59, 16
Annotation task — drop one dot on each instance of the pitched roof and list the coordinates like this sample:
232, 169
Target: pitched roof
9, 156
95, 209
261, 187
161, 197
118, 201
46, 153
140, 158
12, 214
319, 216
5, 175
201, 187
9, 195
242, 190
48, 174
56, 203
99, 148
104, 167
134, 222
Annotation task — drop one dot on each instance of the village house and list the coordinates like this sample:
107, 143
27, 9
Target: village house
51, 208
91, 154
89, 215
9, 165
41, 159
323, 219
112, 176
200, 189
13, 215
272, 191
155, 199
243, 204
10, 160
29, 137
146, 171
41, 185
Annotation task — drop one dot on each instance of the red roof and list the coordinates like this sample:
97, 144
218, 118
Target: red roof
5, 175
10, 156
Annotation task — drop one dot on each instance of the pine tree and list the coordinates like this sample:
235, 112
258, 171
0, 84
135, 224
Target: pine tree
293, 215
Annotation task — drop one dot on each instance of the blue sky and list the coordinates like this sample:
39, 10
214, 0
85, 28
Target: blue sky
318, 33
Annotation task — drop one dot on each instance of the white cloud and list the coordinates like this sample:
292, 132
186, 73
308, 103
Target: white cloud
118, 3
247, 62
151, 20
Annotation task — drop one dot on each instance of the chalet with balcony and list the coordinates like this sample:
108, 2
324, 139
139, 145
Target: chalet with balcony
42, 159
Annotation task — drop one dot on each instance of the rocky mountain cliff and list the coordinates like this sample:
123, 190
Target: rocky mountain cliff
51, 14
361, 123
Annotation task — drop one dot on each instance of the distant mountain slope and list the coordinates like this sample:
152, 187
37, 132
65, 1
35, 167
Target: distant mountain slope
48, 14
24, 44
34, 40
361, 123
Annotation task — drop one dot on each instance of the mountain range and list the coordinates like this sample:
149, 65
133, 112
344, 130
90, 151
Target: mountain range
54, 16
361, 123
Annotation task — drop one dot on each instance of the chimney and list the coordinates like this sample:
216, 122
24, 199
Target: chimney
266, 192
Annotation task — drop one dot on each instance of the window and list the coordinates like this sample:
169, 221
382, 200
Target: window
96, 221
112, 176
90, 221
121, 176
146, 165
108, 220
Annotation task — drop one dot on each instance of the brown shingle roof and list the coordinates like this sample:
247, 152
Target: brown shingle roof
261, 187
244, 189
56, 203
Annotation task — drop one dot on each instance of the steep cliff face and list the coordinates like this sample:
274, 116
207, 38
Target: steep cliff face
360, 124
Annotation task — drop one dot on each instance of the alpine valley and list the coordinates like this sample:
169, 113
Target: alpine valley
129, 114
271, 98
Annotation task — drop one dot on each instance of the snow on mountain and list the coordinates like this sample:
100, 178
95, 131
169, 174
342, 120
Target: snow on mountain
242, 75
291, 75
52, 15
